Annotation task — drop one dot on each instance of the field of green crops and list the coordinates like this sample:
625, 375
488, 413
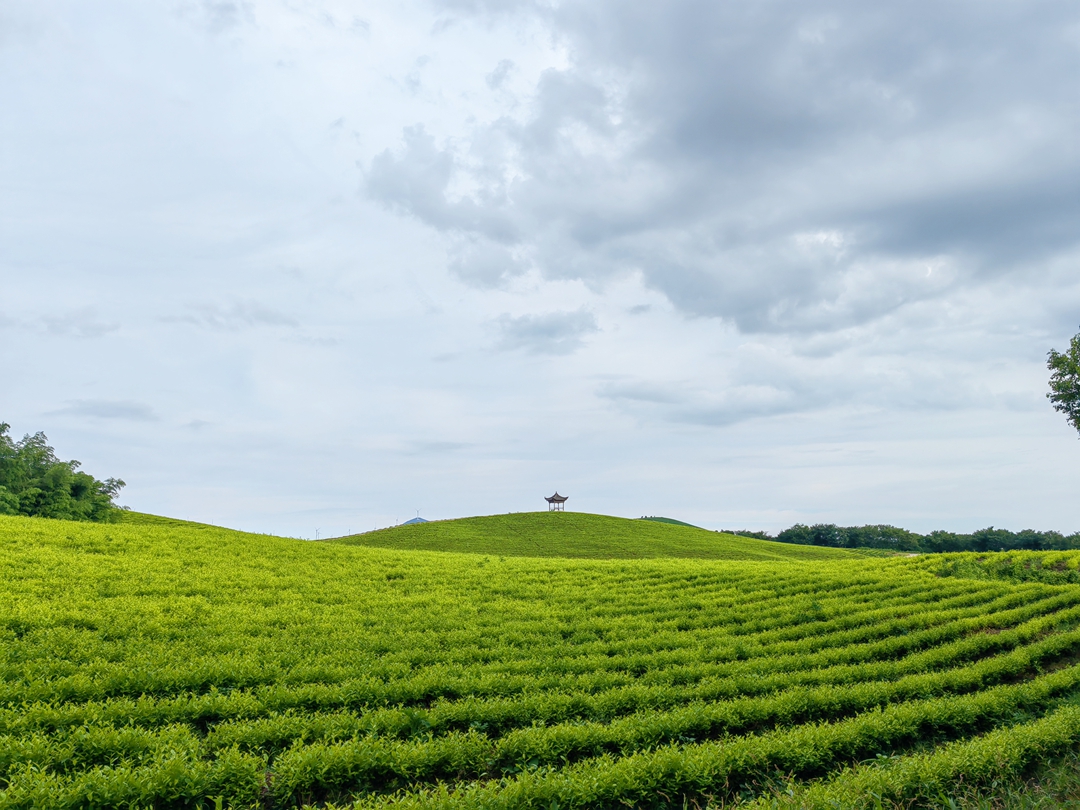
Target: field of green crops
165, 664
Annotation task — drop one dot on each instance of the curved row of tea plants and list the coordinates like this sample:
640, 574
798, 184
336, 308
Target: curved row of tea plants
163, 664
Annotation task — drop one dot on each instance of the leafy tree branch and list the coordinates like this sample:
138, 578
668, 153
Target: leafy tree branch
1065, 381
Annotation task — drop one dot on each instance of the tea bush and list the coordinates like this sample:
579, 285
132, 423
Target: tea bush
155, 663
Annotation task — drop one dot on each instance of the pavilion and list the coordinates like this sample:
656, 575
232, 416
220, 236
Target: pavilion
556, 503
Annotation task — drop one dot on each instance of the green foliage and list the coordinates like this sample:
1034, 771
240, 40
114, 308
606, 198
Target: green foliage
749, 533
831, 535
158, 663
580, 535
1065, 381
1056, 568
890, 538
35, 483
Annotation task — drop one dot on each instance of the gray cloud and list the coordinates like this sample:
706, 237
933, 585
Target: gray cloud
417, 181
218, 16
640, 392
740, 405
497, 77
484, 263
240, 315
1004, 222
785, 166
82, 323
108, 409
553, 333
750, 393
763, 383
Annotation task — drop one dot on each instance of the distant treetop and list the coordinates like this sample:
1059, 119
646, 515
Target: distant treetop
35, 483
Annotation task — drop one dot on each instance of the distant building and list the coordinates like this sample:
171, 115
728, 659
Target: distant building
556, 503
414, 521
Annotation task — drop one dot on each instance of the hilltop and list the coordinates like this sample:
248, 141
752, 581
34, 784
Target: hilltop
583, 536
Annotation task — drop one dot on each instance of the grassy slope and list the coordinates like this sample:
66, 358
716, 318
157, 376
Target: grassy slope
673, 521
144, 519
578, 535
162, 614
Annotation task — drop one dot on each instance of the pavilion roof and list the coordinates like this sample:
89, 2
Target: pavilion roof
556, 498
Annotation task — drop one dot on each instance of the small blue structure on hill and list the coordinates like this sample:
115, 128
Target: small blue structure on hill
414, 521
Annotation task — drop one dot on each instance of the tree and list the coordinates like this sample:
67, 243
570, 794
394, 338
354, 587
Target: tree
35, 483
1065, 381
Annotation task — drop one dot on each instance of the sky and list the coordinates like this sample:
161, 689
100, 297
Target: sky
316, 266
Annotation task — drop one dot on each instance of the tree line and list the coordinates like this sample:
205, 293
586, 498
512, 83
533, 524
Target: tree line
35, 483
893, 538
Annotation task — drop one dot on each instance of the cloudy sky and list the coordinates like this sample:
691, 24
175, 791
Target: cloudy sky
314, 265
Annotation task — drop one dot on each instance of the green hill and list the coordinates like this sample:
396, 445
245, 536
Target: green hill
168, 664
659, 519
131, 518
579, 535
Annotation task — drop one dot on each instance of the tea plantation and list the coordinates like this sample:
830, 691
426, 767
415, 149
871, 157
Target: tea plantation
158, 663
